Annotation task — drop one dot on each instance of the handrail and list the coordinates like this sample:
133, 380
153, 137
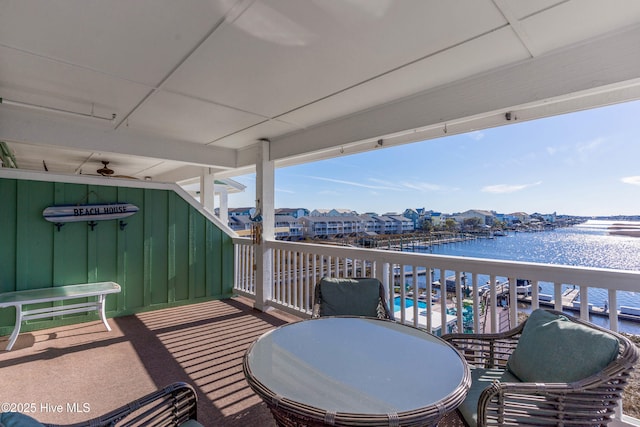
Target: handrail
298, 266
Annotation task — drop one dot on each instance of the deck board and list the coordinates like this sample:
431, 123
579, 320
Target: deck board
202, 344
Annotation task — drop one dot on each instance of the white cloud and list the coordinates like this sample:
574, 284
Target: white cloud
282, 190
476, 135
588, 146
379, 184
633, 180
353, 183
507, 188
422, 186
328, 193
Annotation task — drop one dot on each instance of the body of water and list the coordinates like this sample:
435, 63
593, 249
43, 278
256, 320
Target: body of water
589, 245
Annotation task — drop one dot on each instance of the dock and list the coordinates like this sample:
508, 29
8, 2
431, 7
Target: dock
569, 303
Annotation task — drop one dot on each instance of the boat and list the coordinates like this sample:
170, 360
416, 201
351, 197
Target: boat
523, 287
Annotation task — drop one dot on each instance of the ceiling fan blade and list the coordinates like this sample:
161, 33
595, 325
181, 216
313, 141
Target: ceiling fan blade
105, 170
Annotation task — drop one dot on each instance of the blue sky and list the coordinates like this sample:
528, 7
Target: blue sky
584, 163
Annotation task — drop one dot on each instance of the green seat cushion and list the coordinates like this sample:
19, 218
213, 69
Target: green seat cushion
191, 423
554, 349
356, 297
481, 379
17, 419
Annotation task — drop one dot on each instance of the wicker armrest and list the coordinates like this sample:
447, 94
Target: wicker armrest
591, 401
172, 405
486, 350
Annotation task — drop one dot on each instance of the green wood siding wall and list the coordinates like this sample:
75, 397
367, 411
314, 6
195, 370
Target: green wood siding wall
167, 254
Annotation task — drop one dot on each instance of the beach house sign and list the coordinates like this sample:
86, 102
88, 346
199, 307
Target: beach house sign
94, 212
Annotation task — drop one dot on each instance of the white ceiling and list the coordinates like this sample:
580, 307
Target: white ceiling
196, 83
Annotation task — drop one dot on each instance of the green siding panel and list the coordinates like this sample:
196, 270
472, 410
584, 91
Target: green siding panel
8, 256
34, 246
70, 248
168, 253
180, 267
131, 274
156, 246
198, 259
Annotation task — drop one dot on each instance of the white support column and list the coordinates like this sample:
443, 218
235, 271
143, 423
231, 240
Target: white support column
223, 207
265, 189
206, 189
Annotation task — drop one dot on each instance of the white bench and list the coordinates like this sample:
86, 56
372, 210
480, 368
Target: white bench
19, 299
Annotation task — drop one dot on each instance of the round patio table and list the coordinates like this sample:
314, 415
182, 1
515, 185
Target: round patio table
356, 371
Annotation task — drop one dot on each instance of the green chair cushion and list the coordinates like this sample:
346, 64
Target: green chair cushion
554, 349
356, 297
481, 379
17, 419
191, 423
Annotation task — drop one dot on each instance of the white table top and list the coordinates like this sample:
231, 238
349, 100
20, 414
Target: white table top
357, 365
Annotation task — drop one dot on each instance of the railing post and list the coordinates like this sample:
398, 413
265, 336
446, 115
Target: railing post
207, 189
513, 302
265, 184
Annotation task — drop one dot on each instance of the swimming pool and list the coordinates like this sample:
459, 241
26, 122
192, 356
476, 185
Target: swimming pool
408, 303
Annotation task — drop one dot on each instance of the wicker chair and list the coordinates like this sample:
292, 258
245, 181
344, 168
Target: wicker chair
505, 399
174, 405
350, 297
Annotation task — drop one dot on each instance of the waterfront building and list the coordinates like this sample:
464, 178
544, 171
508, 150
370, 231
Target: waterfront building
485, 217
368, 223
328, 227
436, 219
294, 212
288, 227
240, 223
401, 224
521, 217
415, 215
333, 212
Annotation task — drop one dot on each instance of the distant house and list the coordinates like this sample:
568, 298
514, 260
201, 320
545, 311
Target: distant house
333, 212
436, 218
368, 224
342, 212
485, 217
239, 212
241, 224
401, 224
294, 212
288, 227
415, 216
331, 226
319, 212
549, 217
384, 224
523, 217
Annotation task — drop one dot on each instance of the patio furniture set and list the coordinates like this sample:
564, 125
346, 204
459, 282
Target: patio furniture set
351, 364
367, 370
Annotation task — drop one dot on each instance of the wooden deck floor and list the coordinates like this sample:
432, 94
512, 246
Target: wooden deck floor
202, 344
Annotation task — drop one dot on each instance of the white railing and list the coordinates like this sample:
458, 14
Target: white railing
298, 266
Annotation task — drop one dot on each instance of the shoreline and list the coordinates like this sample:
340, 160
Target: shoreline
628, 233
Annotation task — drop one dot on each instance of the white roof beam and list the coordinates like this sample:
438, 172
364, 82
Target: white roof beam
37, 128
